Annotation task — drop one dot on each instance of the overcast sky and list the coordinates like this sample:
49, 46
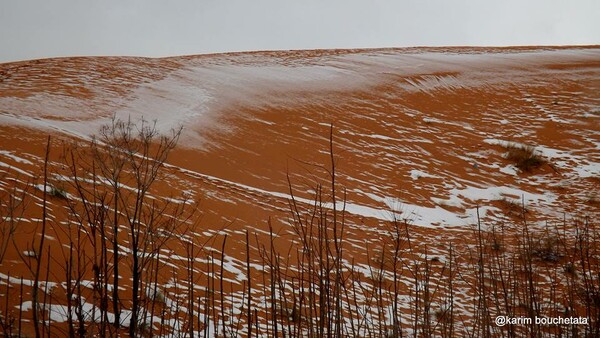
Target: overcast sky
32, 29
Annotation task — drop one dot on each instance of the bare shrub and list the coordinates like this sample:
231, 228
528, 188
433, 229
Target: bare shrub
548, 249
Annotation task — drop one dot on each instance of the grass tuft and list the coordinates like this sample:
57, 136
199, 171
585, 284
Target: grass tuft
525, 157
58, 193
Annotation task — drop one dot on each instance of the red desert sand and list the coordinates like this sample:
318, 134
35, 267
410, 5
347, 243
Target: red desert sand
435, 151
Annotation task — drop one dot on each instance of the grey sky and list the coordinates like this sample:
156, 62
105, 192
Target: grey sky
34, 29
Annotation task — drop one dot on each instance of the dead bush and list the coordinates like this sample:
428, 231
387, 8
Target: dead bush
548, 249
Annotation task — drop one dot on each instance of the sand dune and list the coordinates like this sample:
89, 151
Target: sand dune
422, 132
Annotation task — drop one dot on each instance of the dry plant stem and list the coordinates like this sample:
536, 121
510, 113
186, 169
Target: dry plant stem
40, 248
249, 284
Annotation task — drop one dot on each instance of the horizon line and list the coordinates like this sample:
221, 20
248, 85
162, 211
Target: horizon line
283, 51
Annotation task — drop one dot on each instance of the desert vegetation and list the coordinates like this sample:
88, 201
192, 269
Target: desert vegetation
524, 157
127, 261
